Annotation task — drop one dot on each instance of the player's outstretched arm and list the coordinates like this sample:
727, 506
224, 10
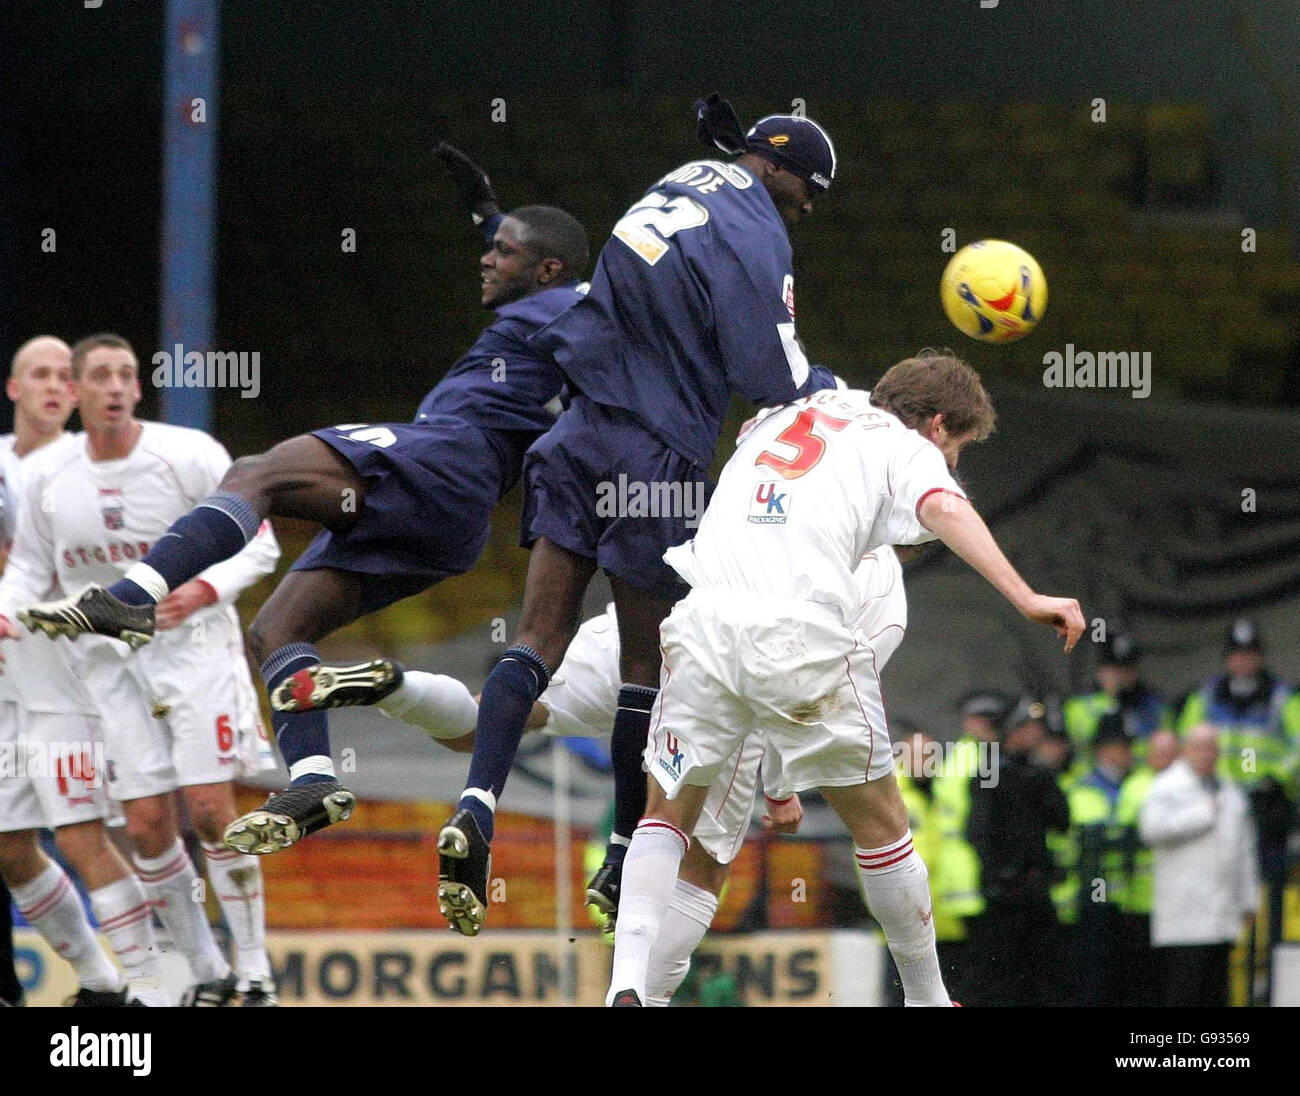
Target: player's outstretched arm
954, 521
471, 183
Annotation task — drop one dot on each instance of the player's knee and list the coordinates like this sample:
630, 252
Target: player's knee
270, 631
80, 843
701, 870
149, 826
640, 670
252, 478
20, 857
210, 824
210, 812
549, 641
257, 637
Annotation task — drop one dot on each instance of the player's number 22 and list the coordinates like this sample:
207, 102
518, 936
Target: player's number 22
666, 216
800, 437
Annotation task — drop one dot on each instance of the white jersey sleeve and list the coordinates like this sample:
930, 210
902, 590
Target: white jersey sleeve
882, 611
231, 577
915, 470
41, 674
30, 573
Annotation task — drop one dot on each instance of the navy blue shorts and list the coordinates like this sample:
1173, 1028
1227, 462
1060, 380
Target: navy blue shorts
601, 485
431, 487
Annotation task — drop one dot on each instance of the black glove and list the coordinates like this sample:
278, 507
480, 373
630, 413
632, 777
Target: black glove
717, 125
471, 182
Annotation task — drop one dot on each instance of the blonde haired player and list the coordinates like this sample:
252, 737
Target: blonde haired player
50, 738
765, 638
172, 712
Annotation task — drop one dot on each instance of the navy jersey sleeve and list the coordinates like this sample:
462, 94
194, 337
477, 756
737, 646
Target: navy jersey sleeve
753, 301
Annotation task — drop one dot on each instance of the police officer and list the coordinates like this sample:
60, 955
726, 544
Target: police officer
1257, 716
955, 875
1119, 689
1090, 899
1139, 963
1017, 940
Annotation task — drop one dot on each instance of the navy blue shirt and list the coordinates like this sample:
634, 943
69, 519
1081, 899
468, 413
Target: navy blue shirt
502, 384
692, 299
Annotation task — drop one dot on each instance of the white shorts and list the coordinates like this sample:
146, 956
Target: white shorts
724, 821
582, 699
788, 670
583, 694
171, 711
252, 742
51, 769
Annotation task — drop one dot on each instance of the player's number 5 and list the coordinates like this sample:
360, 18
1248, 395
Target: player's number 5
808, 446
666, 216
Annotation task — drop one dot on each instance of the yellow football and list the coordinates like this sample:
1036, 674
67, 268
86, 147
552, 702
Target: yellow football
993, 291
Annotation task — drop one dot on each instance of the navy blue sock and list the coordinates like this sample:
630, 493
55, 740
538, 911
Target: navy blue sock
626, 750
300, 735
214, 530
519, 678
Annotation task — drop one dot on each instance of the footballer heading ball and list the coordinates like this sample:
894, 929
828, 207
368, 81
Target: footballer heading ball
993, 291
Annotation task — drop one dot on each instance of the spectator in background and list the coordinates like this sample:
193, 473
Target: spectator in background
1257, 716
1205, 881
1140, 982
1119, 689
1055, 751
955, 881
1017, 942
1089, 900
918, 760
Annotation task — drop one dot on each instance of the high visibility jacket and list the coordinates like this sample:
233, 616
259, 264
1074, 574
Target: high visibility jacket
1103, 844
1143, 717
927, 838
958, 866
1137, 892
1259, 737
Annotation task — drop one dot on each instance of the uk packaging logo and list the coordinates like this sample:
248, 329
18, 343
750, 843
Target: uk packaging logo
768, 505
671, 756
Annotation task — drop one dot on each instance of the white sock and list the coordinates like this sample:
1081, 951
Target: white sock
237, 879
649, 876
170, 881
439, 705
896, 888
125, 918
52, 908
690, 913
320, 764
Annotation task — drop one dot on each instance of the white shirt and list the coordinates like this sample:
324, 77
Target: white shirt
37, 673
84, 522
811, 489
1204, 878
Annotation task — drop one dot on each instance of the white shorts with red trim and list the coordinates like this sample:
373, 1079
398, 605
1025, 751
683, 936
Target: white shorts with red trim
51, 769
789, 671
724, 821
582, 698
176, 713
